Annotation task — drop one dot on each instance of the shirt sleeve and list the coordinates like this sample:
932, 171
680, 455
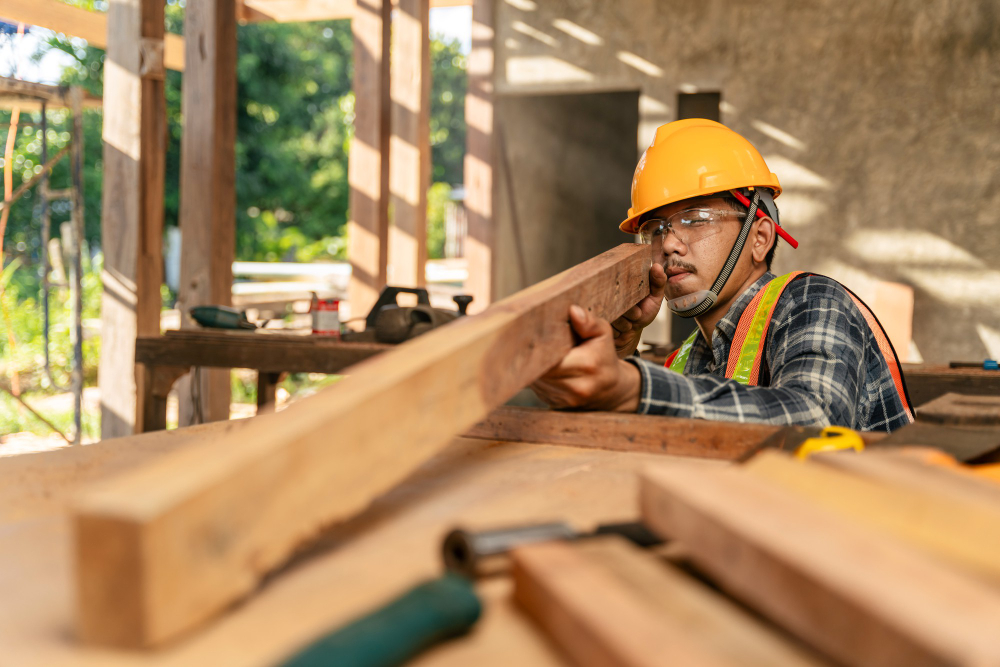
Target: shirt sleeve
815, 350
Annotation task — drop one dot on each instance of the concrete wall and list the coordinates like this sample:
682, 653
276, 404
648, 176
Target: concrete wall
564, 166
881, 119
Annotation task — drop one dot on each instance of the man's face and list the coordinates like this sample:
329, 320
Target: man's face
703, 231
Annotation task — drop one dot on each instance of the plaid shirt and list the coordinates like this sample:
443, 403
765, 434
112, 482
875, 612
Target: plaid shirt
821, 367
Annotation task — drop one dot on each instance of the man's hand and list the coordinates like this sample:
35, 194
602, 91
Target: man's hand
591, 376
628, 328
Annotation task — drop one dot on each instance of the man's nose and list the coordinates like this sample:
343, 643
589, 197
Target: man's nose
672, 244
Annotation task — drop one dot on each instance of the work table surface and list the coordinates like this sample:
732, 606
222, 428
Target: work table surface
355, 567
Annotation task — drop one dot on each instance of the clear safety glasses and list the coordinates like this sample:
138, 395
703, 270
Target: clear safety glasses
689, 226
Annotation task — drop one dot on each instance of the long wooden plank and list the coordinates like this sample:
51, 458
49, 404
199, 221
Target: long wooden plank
962, 410
208, 189
91, 26
368, 162
925, 382
132, 217
862, 598
962, 531
410, 145
293, 355
163, 548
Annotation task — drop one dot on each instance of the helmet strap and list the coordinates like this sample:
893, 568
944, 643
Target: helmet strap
711, 296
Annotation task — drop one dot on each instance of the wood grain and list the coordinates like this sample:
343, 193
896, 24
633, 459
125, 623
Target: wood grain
862, 598
197, 530
925, 382
962, 410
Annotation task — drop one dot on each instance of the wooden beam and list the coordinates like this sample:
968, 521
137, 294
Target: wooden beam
962, 410
410, 145
285, 11
960, 530
164, 548
862, 598
132, 220
368, 163
208, 187
607, 602
927, 382
479, 157
91, 26
273, 354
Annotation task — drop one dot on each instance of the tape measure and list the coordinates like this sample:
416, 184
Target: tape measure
830, 439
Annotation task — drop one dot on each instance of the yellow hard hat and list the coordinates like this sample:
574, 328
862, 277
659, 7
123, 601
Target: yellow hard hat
691, 158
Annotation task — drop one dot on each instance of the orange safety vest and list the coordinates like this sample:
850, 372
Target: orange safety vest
748, 342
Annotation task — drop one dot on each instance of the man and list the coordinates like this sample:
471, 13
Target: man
795, 349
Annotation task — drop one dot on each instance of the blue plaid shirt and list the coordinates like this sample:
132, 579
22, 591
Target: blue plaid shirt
822, 366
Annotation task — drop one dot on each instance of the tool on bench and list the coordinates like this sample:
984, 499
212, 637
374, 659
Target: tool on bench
221, 317
427, 614
388, 322
480, 554
830, 439
988, 364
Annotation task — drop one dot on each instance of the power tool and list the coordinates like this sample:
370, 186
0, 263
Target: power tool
388, 322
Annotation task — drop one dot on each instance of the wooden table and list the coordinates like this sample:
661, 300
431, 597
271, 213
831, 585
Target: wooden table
925, 382
172, 355
358, 565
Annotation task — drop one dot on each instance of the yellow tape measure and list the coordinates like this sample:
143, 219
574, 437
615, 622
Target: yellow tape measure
830, 439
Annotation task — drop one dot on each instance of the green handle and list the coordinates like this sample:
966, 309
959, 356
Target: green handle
423, 616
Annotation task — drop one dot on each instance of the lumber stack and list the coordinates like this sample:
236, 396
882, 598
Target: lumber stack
889, 557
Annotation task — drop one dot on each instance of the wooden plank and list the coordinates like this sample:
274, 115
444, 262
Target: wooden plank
368, 163
208, 188
132, 220
926, 382
77, 22
965, 444
298, 354
959, 530
962, 410
479, 157
861, 598
164, 548
410, 144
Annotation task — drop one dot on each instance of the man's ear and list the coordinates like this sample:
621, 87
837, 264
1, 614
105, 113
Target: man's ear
762, 237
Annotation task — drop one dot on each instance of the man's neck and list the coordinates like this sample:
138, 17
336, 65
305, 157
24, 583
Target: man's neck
707, 321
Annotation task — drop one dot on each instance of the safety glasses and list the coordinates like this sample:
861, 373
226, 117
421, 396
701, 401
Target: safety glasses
689, 226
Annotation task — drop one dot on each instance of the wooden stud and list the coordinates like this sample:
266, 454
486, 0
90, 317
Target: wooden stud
410, 147
862, 598
368, 163
163, 548
132, 220
606, 602
208, 186
479, 157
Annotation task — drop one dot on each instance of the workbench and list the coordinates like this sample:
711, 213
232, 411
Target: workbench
171, 356
355, 567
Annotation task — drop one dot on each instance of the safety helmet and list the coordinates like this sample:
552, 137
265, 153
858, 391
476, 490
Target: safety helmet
692, 158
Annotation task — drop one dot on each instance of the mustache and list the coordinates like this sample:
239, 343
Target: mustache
677, 264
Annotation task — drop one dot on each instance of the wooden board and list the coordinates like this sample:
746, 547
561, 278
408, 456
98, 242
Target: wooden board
860, 597
962, 531
164, 548
389, 548
962, 410
293, 354
606, 602
132, 219
925, 382
410, 145
964, 443
479, 157
368, 163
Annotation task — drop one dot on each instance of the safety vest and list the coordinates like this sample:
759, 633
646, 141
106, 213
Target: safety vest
747, 349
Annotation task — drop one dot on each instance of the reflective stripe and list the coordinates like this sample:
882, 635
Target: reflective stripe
744, 367
679, 358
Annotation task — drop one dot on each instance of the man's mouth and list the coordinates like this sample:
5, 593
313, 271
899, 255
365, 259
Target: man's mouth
676, 274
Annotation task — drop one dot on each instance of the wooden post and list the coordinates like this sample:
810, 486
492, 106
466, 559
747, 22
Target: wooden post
132, 218
479, 157
410, 149
208, 186
368, 169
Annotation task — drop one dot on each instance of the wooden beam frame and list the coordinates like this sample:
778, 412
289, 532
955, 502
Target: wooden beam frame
208, 187
410, 143
368, 162
163, 548
135, 135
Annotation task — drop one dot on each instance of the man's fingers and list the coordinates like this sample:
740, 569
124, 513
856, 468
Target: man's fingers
633, 313
621, 325
586, 325
657, 280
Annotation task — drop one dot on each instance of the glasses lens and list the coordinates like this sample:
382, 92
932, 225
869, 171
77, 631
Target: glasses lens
653, 230
695, 224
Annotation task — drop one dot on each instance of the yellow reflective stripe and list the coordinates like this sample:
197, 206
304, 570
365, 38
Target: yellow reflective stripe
748, 353
681, 359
